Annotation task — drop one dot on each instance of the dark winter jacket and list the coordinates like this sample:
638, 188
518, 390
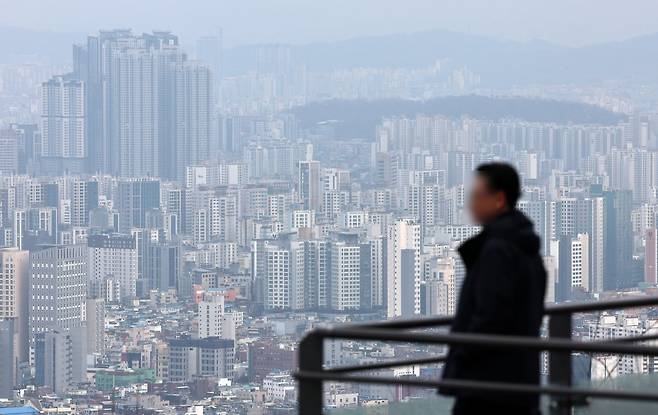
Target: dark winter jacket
503, 293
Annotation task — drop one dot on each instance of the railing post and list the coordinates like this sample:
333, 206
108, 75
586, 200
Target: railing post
559, 362
311, 358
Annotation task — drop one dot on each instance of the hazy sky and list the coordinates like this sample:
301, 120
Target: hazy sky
573, 22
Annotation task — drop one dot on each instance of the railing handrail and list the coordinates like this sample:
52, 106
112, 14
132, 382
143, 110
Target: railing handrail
550, 309
614, 304
486, 340
387, 364
473, 385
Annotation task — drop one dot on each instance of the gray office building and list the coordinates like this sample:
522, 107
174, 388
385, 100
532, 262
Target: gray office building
7, 357
209, 357
57, 297
57, 359
135, 198
163, 265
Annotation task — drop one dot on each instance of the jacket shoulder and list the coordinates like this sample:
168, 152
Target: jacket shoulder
497, 246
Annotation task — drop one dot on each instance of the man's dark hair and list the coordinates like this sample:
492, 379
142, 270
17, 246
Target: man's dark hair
502, 177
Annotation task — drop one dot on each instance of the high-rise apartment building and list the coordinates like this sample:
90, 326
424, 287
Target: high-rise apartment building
112, 262
298, 281
209, 49
570, 217
195, 132
95, 319
14, 303
136, 197
84, 198
19, 228
345, 276
573, 265
214, 321
309, 184
54, 360
143, 100
163, 265
651, 256
9, 157
403, 268
8, 361
57, 288
277, 285
617, 238
58, 301
63, 126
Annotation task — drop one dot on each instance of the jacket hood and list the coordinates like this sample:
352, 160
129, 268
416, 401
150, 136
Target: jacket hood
512, 226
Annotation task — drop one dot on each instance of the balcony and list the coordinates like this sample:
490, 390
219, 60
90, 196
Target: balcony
558, 391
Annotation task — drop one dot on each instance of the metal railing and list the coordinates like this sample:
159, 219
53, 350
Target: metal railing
311, 373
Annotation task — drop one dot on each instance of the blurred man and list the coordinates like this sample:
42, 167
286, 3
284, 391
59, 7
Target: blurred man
502, 294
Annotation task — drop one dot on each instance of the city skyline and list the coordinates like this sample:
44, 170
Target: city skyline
180, 208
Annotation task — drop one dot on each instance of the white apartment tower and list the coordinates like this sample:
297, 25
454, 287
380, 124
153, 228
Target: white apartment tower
63, 136
277, 296
580, 264
214, 321
345, 276
298, 289
403, 268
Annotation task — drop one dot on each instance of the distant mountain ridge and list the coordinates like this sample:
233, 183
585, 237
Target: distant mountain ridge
500, 63
55, 47
358, 118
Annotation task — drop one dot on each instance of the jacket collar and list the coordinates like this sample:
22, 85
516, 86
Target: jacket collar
470, 249
507, 225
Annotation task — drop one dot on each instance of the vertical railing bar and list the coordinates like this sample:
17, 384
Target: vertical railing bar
560, 370
311, 358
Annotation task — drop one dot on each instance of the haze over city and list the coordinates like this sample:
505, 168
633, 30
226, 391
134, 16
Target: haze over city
222, 207
297, 21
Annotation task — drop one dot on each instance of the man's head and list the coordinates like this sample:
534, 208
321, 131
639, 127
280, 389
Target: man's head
496, 190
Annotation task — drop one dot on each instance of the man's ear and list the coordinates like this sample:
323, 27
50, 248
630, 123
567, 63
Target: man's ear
501, 200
